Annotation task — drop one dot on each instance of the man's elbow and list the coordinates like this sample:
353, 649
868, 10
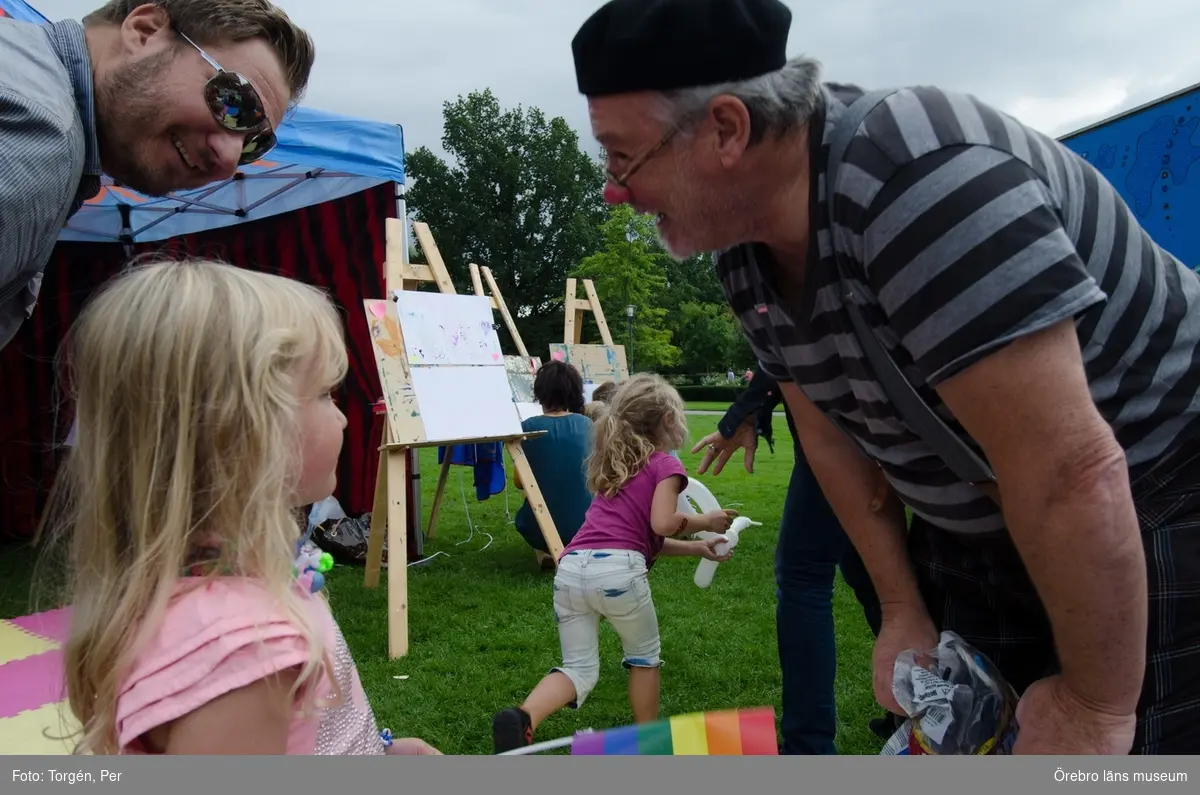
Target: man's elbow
1091, 478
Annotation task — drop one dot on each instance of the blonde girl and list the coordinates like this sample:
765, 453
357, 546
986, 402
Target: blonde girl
602, 572
205, 418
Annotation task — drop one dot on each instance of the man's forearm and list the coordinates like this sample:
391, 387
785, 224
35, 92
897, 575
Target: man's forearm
879, 536
850, 483
1082, 547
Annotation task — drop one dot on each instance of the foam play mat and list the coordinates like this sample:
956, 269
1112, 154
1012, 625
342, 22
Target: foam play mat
33, 714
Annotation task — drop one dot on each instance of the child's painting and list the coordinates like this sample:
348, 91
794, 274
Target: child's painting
521, 374
440, 381
596, 363
444, 328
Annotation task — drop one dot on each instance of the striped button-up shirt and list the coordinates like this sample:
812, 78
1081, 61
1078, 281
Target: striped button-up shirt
49, 155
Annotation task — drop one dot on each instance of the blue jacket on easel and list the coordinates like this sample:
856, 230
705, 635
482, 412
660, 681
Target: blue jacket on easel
488, 462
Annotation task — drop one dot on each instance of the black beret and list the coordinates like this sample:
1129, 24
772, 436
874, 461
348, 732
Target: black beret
661, 45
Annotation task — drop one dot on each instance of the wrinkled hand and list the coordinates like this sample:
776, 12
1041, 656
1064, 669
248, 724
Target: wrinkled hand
903, 628
707, 549
717, 521
718, 448
1052, 719
412, 746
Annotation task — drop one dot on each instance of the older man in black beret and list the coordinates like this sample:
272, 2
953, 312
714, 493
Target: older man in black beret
958, 303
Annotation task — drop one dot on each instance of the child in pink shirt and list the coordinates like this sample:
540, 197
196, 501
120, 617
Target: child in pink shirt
205, 418
602, 572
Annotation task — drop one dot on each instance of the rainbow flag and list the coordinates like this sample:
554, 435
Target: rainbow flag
733, 732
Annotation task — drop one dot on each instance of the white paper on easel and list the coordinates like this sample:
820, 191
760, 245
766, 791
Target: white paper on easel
465, 402
448, 329
527, 410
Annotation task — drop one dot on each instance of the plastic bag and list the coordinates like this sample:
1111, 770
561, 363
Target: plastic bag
328, 508
956, 701
346, 539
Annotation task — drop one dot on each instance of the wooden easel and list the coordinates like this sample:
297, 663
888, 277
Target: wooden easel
497, 304
573, 309
589, 356
389, 511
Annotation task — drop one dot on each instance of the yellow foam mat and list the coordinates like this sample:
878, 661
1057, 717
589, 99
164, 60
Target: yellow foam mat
25, 734
17, 644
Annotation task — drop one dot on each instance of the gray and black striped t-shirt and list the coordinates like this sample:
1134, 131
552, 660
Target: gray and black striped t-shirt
969, 230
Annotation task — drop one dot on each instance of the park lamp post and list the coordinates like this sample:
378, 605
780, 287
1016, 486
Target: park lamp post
630, 309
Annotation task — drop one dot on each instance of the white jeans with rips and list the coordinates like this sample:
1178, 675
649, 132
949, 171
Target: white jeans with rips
609, 583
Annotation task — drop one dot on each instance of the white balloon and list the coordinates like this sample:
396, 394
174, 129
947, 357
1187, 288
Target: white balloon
697, 499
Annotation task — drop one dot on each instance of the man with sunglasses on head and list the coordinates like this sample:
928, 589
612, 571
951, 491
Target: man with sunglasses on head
958, 303
161, 95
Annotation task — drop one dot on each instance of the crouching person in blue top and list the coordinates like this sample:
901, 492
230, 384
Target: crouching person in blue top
557, 457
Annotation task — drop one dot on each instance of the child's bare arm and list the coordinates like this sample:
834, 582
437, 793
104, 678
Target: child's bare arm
665, 518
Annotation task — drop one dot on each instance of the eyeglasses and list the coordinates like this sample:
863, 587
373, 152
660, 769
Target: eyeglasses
237, 106
642, 159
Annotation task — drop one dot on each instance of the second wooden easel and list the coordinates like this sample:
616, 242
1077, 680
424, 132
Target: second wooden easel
596, 363
573, 309
389, 511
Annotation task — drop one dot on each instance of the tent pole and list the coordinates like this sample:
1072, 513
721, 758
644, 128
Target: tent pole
414, 458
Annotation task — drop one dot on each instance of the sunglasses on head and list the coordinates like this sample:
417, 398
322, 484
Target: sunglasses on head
236, 105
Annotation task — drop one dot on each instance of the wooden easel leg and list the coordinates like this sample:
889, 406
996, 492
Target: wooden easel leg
536, 503
378, 524
397, 539
443, 475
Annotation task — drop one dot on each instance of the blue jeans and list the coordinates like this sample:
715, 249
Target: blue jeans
811, 544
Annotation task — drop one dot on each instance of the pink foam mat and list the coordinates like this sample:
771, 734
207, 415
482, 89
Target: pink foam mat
31, 682
53, 624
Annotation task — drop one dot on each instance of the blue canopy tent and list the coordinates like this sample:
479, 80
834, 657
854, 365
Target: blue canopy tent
20, 10
314, 210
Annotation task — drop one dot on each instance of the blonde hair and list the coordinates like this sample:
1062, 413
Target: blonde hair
185, 377
595, 410
646, 414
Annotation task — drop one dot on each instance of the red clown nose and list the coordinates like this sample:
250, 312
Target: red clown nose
615, 194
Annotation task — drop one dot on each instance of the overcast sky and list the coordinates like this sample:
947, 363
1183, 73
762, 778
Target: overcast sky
1056, 65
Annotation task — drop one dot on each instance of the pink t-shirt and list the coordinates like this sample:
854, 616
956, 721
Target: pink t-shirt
623, 521
229, 633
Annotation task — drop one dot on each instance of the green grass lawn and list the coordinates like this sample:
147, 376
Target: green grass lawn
482, 632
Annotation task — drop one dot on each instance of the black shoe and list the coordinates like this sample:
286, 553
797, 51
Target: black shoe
884, 727
511, 729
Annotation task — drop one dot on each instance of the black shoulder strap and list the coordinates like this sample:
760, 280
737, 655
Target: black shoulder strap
961, 459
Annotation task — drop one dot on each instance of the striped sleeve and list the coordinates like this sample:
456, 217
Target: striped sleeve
965, 251
35, 176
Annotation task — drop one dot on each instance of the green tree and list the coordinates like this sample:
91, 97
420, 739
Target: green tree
709, 338
520, 197
694, 279
628, 269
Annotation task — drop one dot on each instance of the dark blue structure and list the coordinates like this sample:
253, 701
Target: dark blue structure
1152, 155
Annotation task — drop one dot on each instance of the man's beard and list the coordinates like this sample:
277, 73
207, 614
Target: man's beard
129, 111
705, 220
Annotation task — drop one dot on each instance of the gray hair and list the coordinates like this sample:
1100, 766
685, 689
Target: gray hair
777, 101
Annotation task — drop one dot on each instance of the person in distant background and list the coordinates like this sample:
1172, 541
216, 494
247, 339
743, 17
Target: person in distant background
131, 93
557, 457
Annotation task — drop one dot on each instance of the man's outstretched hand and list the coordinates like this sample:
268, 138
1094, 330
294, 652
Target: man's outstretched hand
718, 448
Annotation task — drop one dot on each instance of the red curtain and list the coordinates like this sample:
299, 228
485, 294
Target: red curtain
338, 245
